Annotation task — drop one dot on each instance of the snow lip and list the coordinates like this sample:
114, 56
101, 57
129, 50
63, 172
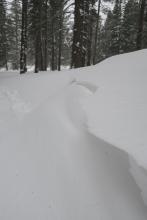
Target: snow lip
137, 170
90, 86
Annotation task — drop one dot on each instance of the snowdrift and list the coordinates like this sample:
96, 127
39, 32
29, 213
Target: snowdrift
73, 144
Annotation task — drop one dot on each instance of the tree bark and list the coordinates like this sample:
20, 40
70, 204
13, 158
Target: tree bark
96, 33
60, 36
23, 52
79, 47
46, 36
16, 33
52, 47
90, 38
140, 24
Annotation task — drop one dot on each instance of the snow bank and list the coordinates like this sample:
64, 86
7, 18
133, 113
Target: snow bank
73, 144
117, 111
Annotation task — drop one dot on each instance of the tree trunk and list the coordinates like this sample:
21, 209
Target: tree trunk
60, 49
90, 38
6, 61
23, 52
140, 24
16, 37
52, 47
96, 33
37, 52
89, 52
78, 57
60, 37
46, 36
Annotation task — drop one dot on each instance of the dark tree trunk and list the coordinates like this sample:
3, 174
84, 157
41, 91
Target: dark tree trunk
46, 36
23, 52
3, 35
86, 39
60, 48
52, 47
54, 19
79, 47
6, 61
41, 34
96, 33
90, 34
89, 52
37, 53
60, 36
16, 36
140, 24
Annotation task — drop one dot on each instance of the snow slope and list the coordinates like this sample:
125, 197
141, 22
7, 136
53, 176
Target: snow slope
66, 146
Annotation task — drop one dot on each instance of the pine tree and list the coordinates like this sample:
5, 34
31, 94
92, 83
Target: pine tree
53, 35
100, 55
129, 26
116, 26
91, 28
80, 33
38, 30
14, 33
103, 33
57, 30
106, 35
67, 40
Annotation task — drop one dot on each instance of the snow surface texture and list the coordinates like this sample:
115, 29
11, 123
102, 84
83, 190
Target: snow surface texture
73, 144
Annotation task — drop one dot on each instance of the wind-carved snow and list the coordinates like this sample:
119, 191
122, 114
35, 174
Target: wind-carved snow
79, 91
79, 116
140, 176
53, 166
90, 86
87, 85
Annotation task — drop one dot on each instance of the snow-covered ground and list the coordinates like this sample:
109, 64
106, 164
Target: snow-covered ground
73, 145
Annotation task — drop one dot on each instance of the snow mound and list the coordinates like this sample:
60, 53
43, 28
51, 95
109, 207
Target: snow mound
73, 145
117, 111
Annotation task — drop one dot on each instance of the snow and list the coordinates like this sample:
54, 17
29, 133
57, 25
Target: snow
73, 144
121, 101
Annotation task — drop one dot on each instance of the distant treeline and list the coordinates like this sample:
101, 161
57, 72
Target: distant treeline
75, 33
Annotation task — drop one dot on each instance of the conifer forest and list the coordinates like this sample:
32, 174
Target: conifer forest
68, 33
73, 109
